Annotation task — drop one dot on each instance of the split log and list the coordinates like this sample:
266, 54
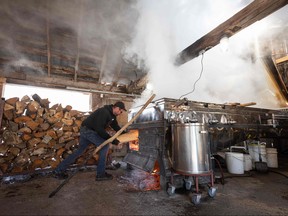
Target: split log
20, 107
67, 122
26, 99
12, 101
25, 129
33, 106
129, 136
8, 114
39, 134
22, 119
44, 126
8, 107
32, 125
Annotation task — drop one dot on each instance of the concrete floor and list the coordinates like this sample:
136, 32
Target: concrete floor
250, 194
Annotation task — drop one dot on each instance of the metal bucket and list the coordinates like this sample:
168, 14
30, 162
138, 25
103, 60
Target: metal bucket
190, 148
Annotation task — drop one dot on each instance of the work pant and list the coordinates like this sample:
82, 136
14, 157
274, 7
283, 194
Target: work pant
87, 136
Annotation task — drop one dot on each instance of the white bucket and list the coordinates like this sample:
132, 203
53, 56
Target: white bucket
247, 162
254, 152
234, 162
272, 159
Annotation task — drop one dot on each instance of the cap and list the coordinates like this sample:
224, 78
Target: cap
121, 105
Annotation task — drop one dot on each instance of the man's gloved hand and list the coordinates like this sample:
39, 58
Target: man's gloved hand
115, 142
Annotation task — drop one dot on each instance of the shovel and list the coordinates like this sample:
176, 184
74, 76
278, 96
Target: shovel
259, 165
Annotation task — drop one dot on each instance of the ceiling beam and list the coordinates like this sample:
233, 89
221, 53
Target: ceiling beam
281, 60
255, 11
56, 82
276, 76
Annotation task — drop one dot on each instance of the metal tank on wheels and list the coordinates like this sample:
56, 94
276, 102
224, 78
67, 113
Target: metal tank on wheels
191, 157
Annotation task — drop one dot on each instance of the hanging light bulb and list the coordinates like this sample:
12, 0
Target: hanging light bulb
224, 43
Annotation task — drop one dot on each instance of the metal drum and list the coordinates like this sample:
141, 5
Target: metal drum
190, 148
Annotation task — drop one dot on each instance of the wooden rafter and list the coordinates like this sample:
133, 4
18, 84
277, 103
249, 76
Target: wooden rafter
281, 60
48, 43
78, 40
103, 63
255, 11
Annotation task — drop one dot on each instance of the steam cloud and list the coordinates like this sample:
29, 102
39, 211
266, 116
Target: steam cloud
165, 27
158, 30
99, 25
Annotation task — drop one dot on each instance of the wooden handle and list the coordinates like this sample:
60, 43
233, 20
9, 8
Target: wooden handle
124, 127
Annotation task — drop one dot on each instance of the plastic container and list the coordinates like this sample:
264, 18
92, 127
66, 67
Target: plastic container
272, 158
254, 151
234, 162
247, 162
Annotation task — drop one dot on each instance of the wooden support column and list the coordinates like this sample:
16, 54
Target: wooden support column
103, 63
78, 41
48, 43
2, 100
2, 84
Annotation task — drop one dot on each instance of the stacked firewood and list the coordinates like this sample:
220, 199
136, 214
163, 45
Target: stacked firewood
36, 136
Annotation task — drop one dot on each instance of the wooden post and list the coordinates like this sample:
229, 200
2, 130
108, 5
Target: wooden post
2, 83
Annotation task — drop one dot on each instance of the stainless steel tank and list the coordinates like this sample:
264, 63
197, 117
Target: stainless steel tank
190, 148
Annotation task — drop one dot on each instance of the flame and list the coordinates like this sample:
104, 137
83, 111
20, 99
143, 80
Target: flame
134, 144
154, 183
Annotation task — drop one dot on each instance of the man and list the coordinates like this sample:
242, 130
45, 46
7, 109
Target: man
93, 130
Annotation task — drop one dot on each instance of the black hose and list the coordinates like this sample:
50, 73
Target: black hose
90, 154
62, 184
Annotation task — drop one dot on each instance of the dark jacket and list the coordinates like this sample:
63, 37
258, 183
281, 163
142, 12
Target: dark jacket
100, 119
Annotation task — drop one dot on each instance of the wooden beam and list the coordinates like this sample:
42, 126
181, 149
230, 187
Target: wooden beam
2, 83
78, 40
255, 11
139, 85
275, 76
56, 82
48, 40
103, 63
48, 46
281, 60
86, 71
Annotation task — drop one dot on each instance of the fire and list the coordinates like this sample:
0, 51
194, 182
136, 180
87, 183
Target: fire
134, 144
142, 180
151, 180
156, 175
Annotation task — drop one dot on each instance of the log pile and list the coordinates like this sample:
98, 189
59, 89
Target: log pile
36, 136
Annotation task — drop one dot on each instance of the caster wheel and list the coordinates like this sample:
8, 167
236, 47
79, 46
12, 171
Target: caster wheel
196, 199
170, 190
212, 192
188, 185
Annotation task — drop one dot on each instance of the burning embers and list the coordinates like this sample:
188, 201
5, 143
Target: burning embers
139, 180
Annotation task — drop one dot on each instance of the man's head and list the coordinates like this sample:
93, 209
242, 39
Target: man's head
118, 108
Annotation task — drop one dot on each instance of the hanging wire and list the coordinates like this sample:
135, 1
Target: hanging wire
202, 68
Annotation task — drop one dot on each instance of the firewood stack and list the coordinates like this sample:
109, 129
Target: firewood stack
35, 136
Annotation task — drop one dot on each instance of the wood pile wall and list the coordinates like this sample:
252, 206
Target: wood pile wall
37, 136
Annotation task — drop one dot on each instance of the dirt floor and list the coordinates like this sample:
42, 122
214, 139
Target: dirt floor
253, 193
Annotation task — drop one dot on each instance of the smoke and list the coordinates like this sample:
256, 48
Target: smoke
93, 26
165, 27
153, 32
